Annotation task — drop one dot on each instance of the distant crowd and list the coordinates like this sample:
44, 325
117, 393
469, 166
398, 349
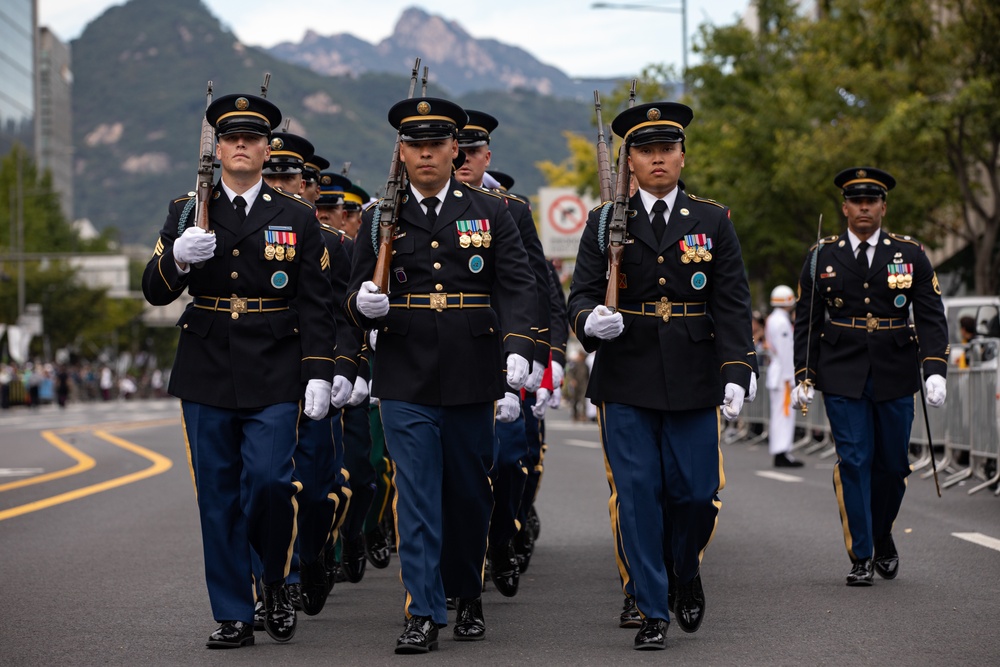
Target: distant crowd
33, 384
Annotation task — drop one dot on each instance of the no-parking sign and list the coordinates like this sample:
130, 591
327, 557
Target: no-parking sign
564, 215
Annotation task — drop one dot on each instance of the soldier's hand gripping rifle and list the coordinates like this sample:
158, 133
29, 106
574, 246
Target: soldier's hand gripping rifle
619, 221
387, 210
206, 171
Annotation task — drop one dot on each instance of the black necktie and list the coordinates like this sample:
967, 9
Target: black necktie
241, 207
863, 257
659, 222
431, 204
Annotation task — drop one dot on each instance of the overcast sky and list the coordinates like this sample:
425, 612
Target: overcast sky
568, 34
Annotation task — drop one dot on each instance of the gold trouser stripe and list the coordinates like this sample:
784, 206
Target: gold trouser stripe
187, 446
838, 488
722, 484
621, 559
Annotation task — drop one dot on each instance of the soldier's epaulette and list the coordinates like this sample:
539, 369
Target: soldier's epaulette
508, 195
906, 239
707, 201
600, 206
189, 195
371, 203
332, 230
485, 191
824, 241
297, 198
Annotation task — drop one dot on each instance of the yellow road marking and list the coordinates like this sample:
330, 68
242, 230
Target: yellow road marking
84, 462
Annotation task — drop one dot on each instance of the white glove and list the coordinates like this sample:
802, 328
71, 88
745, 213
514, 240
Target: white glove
541, 403
733, 402
557, 374
372, 337
752, 394
802, 394
937, 391
193, 246
603, 324
372, 303
342, 389
555, 400
508, 407
317, 401
373, 401
360, 392
517, 371
534, 380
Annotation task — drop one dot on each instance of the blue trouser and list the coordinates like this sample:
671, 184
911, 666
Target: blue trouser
318, 462
535, 434
233, 452
665, 474
510, 451
357, 461
869, 478
441, 457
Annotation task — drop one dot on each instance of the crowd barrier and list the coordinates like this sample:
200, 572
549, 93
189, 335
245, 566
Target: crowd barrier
964, 435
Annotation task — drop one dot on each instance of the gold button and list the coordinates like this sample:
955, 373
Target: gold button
185, 326
236, 252
660, 260
866, 285
662, 281
439, 287
828, 289
437, 265
296, 329
491, 329
867, 300
234, 275
434, 244
235, 316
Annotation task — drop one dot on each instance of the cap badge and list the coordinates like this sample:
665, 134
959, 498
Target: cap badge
327, 180
653, 114
423, 108
861, 173
276, 144
242, 103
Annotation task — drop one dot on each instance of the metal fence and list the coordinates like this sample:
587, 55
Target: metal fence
964, 434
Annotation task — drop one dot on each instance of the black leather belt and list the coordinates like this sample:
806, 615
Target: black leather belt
440, 301
870, 323
240, 305
665, 309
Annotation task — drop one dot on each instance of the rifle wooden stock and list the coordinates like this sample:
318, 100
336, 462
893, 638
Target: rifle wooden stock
206, 171
619, 220
388, 206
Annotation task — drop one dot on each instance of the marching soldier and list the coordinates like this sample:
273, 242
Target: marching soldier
256, 346
311, 170
453, 345
683, 327
283, 169
861, 352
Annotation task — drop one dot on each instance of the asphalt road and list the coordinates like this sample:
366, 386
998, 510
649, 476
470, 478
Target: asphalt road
101, 563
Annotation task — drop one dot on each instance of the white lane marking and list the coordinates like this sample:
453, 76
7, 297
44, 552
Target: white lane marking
779, 476
980, 539
583, 443
20, 472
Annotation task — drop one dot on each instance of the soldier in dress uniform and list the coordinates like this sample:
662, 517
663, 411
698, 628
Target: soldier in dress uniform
313, 167
453, 346
859, 350
330, 205
256, 347
283, 170
683, 327
511, 446
355, 199
781, 377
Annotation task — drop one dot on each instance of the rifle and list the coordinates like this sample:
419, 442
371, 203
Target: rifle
423, 83
603, 156
263, 86
619, 220
387, 210
812, 298
346, 168
206, 170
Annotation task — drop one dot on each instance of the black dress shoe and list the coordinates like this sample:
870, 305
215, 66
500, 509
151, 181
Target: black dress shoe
862, 573
652, 635
469, 623
353, 559
314, 588
419, 636
785, 460
503, 569
258, 614
451, 603
279, 614
630, 616
295, 595
524, 547
332, 566
534, 523
690, 605
886, 558
231, 634
377, 548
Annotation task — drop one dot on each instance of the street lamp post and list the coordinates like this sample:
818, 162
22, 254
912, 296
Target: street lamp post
682, 10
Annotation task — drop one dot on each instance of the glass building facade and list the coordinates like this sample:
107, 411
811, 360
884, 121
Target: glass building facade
17, 73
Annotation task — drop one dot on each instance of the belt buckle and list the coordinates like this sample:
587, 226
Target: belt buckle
663, 309
439, 301
237, 304
871, 323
